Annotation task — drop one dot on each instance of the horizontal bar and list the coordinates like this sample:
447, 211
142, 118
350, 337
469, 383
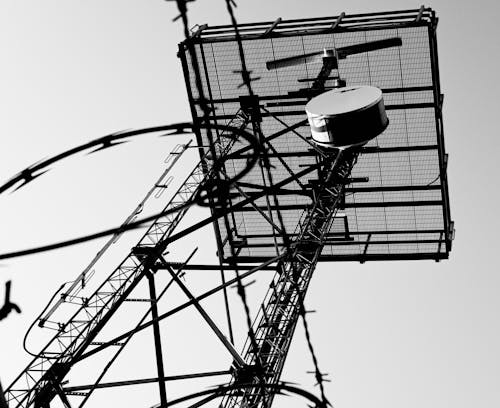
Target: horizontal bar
315, 79
348, 26
249, 33
326, 20
303, 101
357, 258
392, 188
375, 189
353, 243
283, 103
376, 149
199, 267
319, 26
408, 89
334, 234
364, 150
144, 381
405, 106
419, 203
375, 204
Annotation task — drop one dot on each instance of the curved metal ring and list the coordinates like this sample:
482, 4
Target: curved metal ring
203, 196
114, 139
222, 390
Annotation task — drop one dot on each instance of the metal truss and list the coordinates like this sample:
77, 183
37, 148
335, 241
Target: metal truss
256, 371
283, 304
41, 380
262, 358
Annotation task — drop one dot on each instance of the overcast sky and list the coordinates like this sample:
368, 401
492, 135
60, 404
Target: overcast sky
401, 334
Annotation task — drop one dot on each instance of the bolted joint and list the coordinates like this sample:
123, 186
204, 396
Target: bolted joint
247, 373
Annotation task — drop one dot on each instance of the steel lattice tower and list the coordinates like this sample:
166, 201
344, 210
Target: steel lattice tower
300, 205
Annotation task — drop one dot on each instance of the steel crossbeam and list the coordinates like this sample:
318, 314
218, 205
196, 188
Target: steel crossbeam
283, 304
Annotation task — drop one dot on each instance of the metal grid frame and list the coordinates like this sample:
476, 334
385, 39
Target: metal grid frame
402, 211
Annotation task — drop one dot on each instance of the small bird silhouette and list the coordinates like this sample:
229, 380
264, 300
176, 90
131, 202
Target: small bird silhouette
8, 305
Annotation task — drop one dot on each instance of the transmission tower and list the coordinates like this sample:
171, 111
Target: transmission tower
345, 115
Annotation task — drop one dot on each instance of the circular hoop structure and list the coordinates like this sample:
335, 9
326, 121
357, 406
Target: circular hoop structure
223, 390
204, 194
347, 117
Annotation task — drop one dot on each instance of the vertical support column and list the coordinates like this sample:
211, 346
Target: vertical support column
156, 333
3, 403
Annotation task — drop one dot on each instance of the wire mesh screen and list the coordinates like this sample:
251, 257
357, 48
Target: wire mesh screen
396, 204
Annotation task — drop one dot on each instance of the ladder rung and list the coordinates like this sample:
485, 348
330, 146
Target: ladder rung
100, 343
138, 300
76, 393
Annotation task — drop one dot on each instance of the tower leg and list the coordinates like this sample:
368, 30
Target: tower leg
156, 333
3, 403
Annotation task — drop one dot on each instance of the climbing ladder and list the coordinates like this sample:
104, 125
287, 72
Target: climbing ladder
41, 380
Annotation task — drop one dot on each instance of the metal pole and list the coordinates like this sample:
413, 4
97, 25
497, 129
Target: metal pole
3, 403
156, 333
142, 381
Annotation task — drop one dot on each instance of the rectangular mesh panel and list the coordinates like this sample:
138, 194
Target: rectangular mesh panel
396, 205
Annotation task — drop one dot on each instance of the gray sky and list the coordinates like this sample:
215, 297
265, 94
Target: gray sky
405, 334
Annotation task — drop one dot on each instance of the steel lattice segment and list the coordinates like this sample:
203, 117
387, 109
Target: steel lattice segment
283, 304
40, 381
